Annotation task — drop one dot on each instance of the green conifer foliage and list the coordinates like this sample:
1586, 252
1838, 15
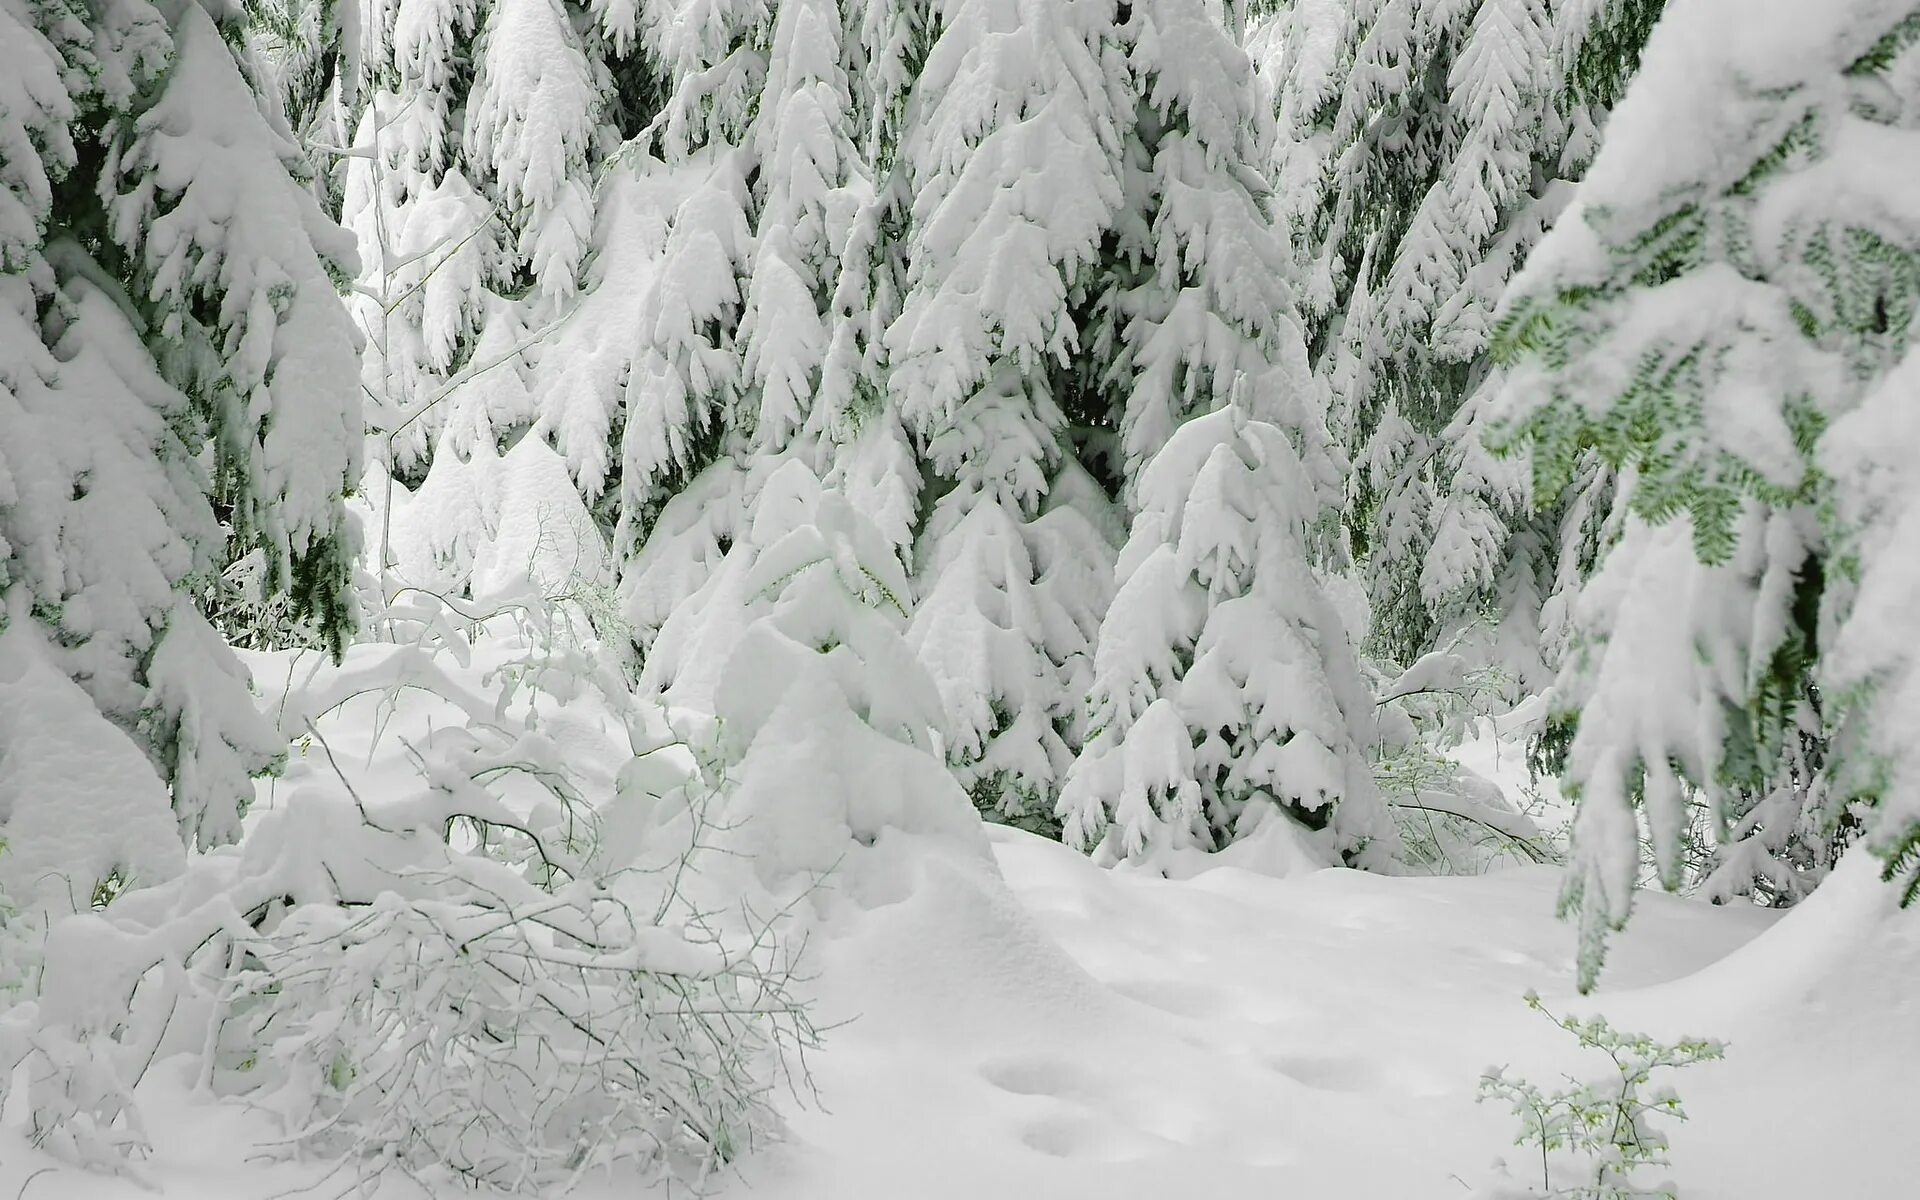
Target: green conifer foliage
1699, 322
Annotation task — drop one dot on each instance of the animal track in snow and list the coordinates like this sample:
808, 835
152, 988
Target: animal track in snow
1328, 1072
1080, 1136
1038, 1077
1077, 1127
1174, 996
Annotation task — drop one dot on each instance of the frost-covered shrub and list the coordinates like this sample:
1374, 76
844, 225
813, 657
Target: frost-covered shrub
468, 1018
1598, 1140
19, 958
487, 976
1451, 820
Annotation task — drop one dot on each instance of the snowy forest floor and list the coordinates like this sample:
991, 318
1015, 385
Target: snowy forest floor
1053, 1029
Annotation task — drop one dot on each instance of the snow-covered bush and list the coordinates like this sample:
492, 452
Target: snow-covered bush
19, 962
1597, 1140
1451, 819
490, 975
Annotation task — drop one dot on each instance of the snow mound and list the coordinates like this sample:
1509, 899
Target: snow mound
807, 804
78, 799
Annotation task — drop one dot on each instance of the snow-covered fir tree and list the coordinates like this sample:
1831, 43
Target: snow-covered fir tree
1191, 295
874, 461
1424, 148
827, 724
468, 184
1196, 288
1700, 320
679, 398
466, 142
1225, 692
812, 180
175, 391
696, 356
1009, 155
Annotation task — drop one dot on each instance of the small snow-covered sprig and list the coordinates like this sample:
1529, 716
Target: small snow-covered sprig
1600, 1133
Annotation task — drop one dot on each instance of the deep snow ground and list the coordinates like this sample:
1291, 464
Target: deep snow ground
1087, 1033
1031, 1026
1231, 1035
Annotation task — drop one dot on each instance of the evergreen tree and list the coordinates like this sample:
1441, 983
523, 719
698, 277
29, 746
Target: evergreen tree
1197, 294
174, 391
823, 735
704, 339
874, 461
812, 180
471, 137
1009, 155
1224, 686
1698, 320
453, 193
1008, 152
826, 720
1429, 145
